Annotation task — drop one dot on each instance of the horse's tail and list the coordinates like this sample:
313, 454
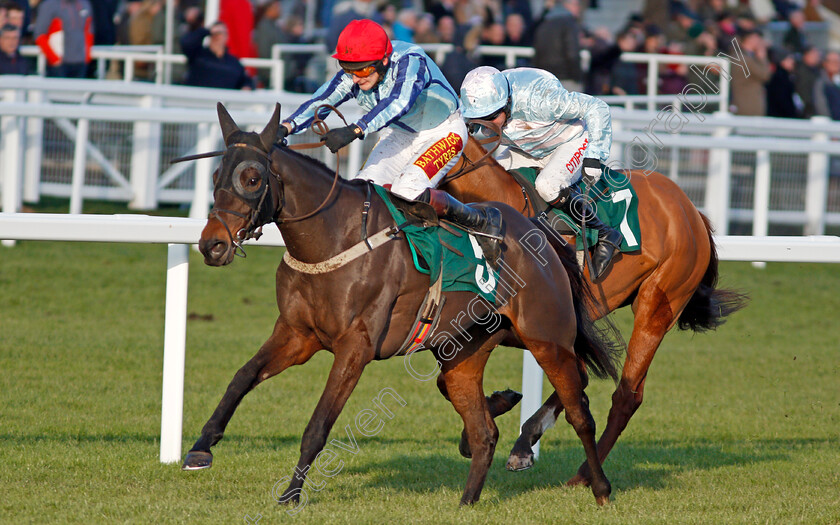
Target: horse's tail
598, 343
709, 306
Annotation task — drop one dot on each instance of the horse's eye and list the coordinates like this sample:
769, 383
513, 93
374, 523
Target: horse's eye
253, 181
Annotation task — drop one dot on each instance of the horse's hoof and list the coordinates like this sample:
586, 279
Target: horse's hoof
197, 460
511, 396
578, 481
516, 463
602, 500
291, 497
464, 445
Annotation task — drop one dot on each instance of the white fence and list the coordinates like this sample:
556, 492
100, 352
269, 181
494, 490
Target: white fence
179, 233
274, 68
113, 140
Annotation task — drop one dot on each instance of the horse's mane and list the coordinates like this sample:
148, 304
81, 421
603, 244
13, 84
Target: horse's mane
320, 165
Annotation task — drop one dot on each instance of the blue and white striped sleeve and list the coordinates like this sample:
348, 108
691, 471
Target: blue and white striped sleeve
412, 78
336, 91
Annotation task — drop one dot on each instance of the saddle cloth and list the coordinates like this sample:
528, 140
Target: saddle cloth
613, 198
446, 249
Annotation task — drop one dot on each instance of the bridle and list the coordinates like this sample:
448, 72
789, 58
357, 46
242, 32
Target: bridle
468, 165
258, 217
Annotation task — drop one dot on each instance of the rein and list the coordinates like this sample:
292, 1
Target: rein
468, 165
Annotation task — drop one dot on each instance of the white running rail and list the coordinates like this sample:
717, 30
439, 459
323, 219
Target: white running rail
179, 233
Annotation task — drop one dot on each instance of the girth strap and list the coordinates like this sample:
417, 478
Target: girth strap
348, 255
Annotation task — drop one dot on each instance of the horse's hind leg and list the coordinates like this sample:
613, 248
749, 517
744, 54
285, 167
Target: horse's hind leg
498, 403
561, 368
653, 318
522, 454
463, 379
283, 349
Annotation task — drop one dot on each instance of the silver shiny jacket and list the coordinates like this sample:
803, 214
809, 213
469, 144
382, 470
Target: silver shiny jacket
545, 115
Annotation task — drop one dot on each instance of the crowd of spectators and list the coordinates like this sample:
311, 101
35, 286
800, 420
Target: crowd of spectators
794, 79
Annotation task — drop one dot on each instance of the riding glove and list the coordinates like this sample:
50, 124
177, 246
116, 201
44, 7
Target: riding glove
340, 137
591, 170
282, 133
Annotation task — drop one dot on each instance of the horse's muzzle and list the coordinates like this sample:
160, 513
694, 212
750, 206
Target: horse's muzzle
216, 252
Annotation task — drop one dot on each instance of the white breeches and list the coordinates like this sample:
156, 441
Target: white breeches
412, 162
558, 170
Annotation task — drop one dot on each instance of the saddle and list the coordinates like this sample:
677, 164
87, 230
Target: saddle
416, 213
423, 215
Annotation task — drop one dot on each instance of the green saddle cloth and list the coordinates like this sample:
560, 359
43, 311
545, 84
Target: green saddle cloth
615, 203
455, 253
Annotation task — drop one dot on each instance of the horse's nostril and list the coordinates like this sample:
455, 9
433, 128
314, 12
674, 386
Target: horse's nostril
218, 249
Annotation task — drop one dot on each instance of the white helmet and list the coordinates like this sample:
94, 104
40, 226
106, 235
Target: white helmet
484, 91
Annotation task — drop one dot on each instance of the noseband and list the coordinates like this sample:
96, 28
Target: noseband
252, 229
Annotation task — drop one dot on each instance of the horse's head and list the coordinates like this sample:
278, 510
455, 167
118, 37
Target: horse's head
245, 192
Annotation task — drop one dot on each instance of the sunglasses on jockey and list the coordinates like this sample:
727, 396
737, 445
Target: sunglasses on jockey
364, 71
496, 113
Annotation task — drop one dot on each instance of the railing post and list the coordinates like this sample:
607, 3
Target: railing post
816, 188
145, 159
128, 69
34, 151
718, 181
617, 148
652, 85
203, 172
11, 139
724, 85
79, 164
174, 350
674, 168
354, 160
761, 197
532, 386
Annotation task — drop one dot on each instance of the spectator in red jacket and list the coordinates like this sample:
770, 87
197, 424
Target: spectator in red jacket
238, 16
64, 32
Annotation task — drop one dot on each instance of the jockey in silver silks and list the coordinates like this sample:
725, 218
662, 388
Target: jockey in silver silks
562, 133
418, 113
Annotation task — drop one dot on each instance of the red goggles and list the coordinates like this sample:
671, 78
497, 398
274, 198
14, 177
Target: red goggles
361, 73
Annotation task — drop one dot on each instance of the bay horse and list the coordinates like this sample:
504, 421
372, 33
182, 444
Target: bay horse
362, 311
671, 280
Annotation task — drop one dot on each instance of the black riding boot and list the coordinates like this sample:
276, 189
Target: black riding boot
571, 202
484, 221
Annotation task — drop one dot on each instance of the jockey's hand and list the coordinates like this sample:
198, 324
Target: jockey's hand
282, 133
339, 137
591, 170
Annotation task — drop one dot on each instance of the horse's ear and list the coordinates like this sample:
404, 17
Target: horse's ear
268, 136
226, 121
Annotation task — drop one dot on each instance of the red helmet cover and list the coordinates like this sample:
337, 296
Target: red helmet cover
362, 41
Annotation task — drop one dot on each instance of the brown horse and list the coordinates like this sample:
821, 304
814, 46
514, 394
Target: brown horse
362, 310
671, 280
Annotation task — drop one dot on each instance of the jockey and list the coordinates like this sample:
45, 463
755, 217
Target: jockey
409, 100
545, 126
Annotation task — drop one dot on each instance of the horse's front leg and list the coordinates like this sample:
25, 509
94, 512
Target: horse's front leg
350, 361
285, 347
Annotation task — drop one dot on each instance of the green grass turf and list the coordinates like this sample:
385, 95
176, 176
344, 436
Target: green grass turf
738, 426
